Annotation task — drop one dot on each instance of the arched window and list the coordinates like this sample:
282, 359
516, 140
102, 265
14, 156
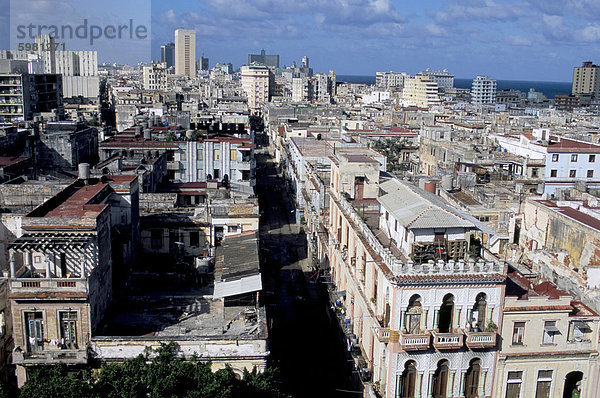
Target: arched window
472, 379
440, 379
413, 315
408, 380
573, 385
446, 314
479, 313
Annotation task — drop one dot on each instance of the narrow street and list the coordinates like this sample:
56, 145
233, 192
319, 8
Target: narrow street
305, 338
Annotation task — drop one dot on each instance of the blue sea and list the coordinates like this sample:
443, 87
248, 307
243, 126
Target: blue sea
550, 89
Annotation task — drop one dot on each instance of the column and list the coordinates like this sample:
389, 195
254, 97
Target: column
419, 385
488, 318
430, 386
47, 258
27, 260
450, 392
82, 267
457, 318
436, 316
402, 319
469, 315
424, 322
462, 383
482, 383
13, 265
398, 385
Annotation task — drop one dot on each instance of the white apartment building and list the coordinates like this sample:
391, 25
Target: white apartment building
79, 69
421, 91
390, 79
443, 78
256, 83
185, 52
155, 76
300, 89
567, 161
483, 91
317, 88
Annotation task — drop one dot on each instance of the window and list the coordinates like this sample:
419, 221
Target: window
553, 173
413, 315
446, 314
472, 379
217, 154
440, 379
232, 229
579, 331
590, 174
216, 174
572, 173
156, 238
34, 338
396, 225
194, 238
233, 154
592, 158
68, 329
513, 384
408, 380
534, 172
573, 158
518, 333
549, 330
387, 215
544, 381
555, 157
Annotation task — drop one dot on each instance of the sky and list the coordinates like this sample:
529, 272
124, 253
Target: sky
506, 39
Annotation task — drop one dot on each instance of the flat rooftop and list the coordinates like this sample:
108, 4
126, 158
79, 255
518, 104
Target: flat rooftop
184, 314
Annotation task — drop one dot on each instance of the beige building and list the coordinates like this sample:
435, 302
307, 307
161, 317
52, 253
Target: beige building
155, 76
585, 80
185, 52
423, 317
549, 344
421, 90
256, 83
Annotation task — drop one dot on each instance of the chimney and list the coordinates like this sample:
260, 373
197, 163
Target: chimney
84, 172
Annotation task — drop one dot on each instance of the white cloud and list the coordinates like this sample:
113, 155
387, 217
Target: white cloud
590, 33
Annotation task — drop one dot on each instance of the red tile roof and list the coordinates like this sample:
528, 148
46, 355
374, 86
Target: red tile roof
566, 145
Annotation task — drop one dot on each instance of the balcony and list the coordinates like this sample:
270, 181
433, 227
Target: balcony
47, 357
244, 165
414, 342
447, 341
385, 335
32, 287
481, 340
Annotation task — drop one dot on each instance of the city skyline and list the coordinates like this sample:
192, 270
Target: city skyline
514, 40
510, 40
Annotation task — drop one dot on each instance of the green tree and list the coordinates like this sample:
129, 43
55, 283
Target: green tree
56, 382
164, 374
122, 380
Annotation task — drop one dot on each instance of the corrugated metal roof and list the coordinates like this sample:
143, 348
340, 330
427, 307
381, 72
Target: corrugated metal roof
237, 268
420, 209
245, 284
